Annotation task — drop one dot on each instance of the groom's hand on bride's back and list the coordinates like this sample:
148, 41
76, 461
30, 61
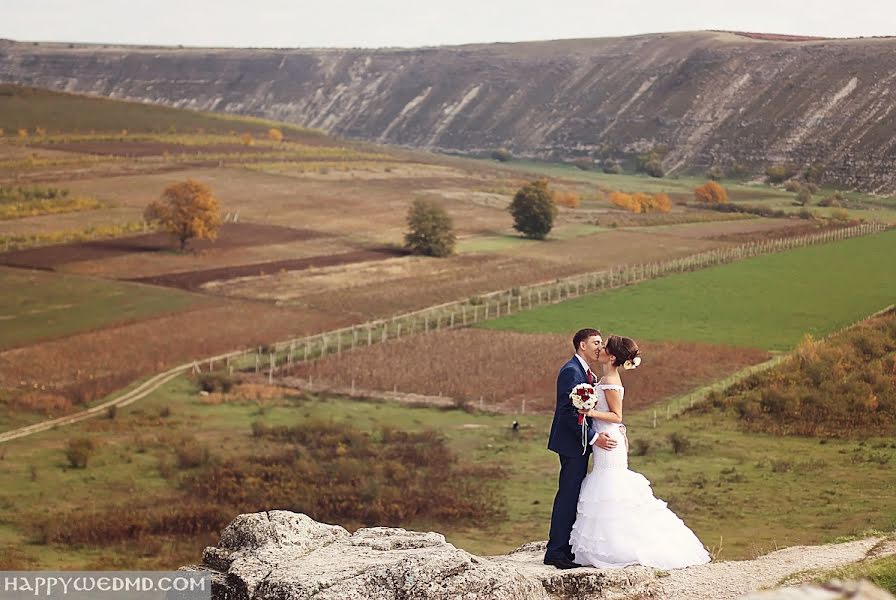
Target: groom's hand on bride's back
604, 442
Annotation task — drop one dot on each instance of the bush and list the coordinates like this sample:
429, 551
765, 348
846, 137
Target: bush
813, 173
275, 135
585, 164
680, 444
611, 167
215, 382
430, 229
840, 214
780, 173
654, 168
190, 454
711, 193
567, 199
78, 452
803, 196
641, 202
836, 200
533, 210
715, 173
502, 155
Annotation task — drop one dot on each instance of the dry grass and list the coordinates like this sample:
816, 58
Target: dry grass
504, 368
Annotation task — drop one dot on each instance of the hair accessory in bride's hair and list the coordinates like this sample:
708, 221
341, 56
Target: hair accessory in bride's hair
632, 363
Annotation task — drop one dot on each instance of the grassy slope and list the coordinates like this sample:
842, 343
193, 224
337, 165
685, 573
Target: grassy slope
22, 107
47, 305
766, 302
746, 493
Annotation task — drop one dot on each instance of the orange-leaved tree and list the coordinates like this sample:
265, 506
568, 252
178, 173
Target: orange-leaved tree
188, 210
711, 192
275, 135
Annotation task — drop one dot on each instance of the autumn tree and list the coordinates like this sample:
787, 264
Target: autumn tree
188, 210
275, 135
430, 229
533, 210
711, 193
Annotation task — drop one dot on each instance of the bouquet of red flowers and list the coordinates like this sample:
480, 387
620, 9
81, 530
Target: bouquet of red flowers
583, 397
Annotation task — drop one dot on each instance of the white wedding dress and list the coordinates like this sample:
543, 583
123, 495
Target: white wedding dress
619, 522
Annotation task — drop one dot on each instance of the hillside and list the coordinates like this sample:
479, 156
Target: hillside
711, 98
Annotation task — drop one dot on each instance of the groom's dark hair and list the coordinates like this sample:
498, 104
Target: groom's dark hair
582, 335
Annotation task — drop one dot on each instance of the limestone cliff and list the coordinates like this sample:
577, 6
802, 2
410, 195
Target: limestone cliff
710, 98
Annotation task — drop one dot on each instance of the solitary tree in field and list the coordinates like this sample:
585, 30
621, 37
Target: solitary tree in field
188, 210
275, 135
533, 210
430, 229
711, 193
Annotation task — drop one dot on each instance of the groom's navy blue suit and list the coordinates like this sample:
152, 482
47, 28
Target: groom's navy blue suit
566, 440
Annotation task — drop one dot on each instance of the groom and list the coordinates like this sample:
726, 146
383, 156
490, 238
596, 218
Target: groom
566, 440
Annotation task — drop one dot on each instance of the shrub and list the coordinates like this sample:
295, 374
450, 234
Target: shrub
567, 199
190, 454
814, 172
641, 202
715, 173
502, 155
246, 139
836, 200
78, 452
215, 382
275, 135
533, 210
680, 444
780, 173
585, 164
430, 229
803, 196
840, 214
711, 193
654, 168
611, 167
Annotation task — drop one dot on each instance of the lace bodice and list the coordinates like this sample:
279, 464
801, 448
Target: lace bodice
602, 404
618, 457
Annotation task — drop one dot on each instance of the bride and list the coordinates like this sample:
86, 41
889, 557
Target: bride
619, 522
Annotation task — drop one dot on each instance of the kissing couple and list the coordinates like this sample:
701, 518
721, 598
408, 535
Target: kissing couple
609, 517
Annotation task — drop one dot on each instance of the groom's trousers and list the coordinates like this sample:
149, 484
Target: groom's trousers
572, 471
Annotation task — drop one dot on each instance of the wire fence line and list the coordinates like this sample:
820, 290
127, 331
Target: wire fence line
275, 357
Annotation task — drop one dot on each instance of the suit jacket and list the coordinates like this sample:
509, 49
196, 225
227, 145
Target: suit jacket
566, 433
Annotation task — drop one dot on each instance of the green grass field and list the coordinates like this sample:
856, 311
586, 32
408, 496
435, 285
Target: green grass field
767, 302
49, 305
743, 494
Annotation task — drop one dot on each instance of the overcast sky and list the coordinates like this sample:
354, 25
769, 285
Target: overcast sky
377, 23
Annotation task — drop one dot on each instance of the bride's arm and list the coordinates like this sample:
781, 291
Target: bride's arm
614, 402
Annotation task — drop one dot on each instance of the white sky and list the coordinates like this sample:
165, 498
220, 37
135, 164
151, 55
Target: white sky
377, 23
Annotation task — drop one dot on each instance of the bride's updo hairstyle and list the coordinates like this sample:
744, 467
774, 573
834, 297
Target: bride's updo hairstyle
622, 348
